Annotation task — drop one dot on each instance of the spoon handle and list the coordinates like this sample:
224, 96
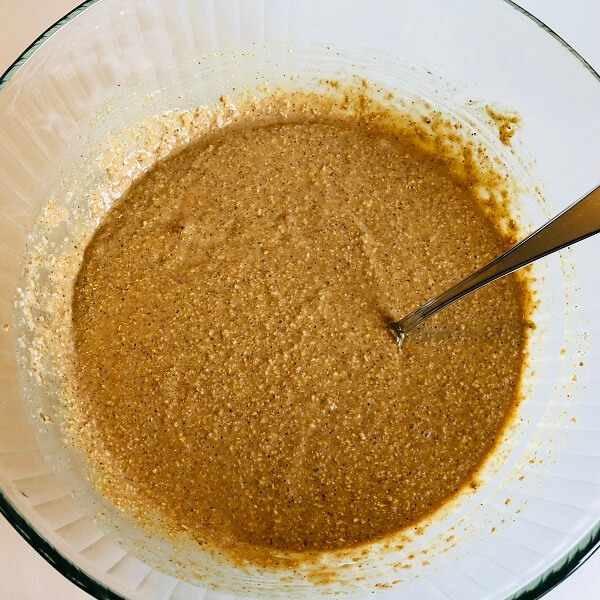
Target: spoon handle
575, 223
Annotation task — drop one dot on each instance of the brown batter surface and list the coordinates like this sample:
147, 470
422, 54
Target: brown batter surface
233, 360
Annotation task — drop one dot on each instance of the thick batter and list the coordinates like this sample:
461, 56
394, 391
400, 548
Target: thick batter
233, 361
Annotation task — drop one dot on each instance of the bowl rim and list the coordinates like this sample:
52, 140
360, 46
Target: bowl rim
534, 589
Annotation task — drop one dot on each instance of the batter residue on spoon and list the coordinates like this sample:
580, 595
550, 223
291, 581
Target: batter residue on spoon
232, 358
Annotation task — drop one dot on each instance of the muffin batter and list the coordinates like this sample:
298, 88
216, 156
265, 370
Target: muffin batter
234, 372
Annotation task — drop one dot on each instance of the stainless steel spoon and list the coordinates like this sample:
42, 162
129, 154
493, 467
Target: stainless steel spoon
579, 221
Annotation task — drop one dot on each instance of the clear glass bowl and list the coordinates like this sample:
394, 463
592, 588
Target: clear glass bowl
536, 516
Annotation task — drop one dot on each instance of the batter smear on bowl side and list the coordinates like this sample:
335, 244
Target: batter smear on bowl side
233, 370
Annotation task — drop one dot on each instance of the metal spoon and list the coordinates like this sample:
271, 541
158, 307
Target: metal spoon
579, 221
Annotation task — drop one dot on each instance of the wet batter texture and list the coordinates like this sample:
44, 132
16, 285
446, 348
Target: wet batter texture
234, 371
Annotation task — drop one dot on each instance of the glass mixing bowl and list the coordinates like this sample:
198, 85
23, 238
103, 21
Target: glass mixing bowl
108, 64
